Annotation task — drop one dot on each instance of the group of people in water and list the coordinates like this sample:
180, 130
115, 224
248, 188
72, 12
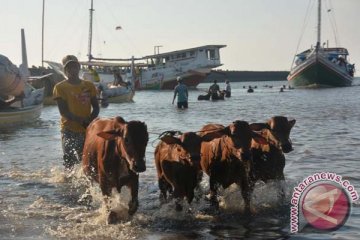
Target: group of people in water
215, 93
214, 89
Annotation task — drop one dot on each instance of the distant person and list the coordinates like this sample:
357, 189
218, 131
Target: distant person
118, 80
352, 69
214, 88
182, 94
103, 96
281, 89
78, 106
250, 90
94, 74
227, 89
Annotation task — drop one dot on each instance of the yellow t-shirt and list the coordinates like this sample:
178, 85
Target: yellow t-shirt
78, 100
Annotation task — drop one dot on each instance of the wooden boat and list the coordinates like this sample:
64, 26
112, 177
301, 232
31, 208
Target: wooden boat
22, 103
321, 66
13, 116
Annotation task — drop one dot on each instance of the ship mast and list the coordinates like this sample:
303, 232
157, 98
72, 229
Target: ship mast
90, 31
319, 25
42, 33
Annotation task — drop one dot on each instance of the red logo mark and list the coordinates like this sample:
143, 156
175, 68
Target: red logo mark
326, 206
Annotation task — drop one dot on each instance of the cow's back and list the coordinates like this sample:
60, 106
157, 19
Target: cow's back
211, 127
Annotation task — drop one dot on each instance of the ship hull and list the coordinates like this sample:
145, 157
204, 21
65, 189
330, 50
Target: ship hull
318, 73
191, 81
19, 116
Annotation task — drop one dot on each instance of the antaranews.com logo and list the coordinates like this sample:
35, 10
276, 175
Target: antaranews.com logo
323, 201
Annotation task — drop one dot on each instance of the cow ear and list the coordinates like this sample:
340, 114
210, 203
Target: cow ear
119, 119
292, 123
226, 131
259, 126
170, 140
259, 139
110, 135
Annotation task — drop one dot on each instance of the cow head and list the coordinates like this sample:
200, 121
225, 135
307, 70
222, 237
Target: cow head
189, 145
131, 140
242, 135
277, 132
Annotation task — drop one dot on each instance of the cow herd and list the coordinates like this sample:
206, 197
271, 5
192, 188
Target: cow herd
240, 153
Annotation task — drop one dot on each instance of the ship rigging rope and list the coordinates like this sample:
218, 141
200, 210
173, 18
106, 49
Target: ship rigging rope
306, 20
332, 19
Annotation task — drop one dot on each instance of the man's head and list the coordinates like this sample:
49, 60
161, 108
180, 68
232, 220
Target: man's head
179, 80
71, 65
215, 81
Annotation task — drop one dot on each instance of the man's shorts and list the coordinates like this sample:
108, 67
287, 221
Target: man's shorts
182, 104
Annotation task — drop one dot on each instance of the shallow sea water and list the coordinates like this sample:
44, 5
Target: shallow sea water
39, 201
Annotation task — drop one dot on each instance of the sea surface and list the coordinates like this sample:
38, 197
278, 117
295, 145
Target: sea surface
38, 200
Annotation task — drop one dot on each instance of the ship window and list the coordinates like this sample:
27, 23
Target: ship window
210, 54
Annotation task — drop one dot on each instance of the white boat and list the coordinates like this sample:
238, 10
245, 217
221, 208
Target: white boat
108, 89
192, 65
20, 102
14, 116
160, 71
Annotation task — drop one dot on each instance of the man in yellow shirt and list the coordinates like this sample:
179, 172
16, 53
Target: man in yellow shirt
78, 106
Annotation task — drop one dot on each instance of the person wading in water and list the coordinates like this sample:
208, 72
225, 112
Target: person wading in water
78, 106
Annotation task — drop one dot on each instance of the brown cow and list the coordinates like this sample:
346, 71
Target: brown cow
269, 159
227, 159
177, 161
114, 154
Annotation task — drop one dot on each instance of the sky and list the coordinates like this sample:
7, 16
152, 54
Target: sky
260, 35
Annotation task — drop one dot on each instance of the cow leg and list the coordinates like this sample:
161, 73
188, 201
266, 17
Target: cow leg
164, 187
198, 187
178, 206
282, 188
213, 194
134, 187
106, 191
178, 199
246, 194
